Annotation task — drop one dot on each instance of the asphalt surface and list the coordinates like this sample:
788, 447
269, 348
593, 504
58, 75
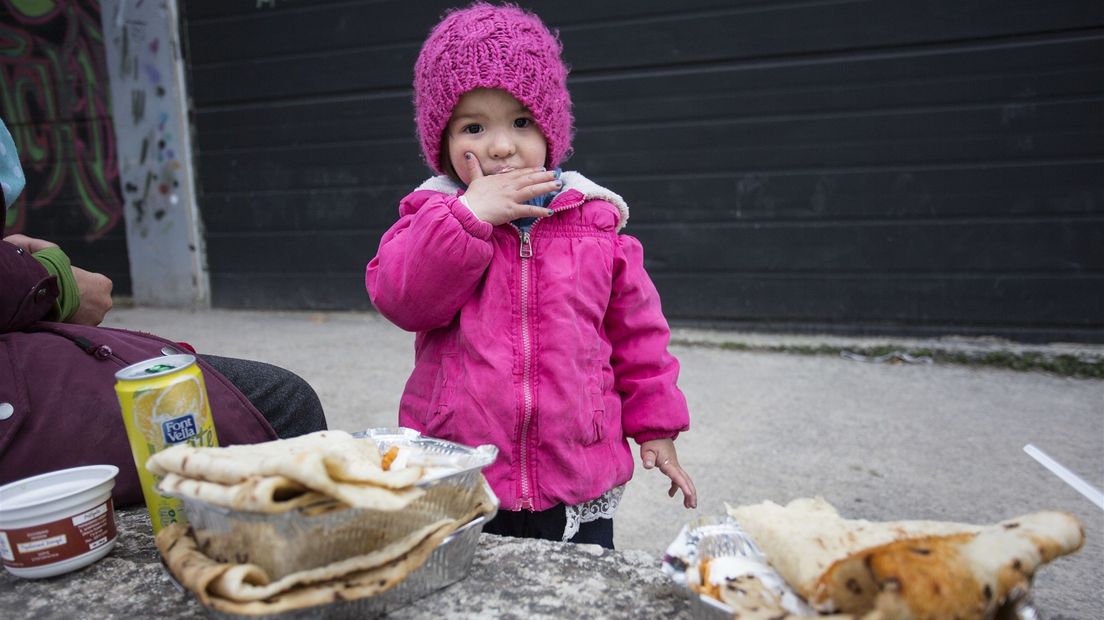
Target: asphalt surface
880, 441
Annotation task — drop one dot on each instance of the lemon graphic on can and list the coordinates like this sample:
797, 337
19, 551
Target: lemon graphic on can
171, 415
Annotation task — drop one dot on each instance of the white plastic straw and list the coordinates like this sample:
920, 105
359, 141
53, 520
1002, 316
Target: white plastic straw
1067, 476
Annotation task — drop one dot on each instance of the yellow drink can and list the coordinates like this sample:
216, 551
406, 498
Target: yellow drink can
164, 403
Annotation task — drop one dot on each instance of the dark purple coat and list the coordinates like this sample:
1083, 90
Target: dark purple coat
57, 385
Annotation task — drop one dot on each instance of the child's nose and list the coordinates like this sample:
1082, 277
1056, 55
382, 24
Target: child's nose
501, 146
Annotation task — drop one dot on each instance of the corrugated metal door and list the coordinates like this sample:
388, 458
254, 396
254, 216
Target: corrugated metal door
854, 166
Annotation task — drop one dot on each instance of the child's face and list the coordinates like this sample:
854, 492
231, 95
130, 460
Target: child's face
497, 129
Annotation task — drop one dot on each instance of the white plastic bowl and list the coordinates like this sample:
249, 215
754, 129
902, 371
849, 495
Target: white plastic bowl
57, 522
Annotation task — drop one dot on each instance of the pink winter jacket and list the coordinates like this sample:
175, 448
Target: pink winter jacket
553, 348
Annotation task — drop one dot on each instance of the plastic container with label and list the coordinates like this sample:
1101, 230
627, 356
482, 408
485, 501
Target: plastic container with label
57, 522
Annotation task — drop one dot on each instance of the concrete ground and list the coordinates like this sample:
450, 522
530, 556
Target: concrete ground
880, 441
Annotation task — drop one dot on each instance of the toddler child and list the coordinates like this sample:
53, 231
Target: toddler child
538, 329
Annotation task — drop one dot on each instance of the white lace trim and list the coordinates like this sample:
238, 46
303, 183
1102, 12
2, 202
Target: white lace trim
598, 508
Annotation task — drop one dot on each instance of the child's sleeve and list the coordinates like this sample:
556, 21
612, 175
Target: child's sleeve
645, 373
429, 262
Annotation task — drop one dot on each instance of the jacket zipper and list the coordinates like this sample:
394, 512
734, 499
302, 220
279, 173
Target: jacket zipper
98, 351
104, 352
525, 500
525, 251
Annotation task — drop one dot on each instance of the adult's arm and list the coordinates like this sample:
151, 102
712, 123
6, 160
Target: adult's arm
28, 291
83, 298
57, 264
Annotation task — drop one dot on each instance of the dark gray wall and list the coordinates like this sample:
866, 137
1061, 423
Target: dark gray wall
905, 167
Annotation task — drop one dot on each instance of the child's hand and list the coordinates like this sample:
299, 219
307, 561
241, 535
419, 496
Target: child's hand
497, 198
661, 453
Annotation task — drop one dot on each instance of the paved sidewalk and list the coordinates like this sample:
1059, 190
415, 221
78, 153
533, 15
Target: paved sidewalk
878, 440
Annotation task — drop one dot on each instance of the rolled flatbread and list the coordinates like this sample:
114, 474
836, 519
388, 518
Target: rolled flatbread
271, 494
954, 576
332, 463
805, 537
924, 569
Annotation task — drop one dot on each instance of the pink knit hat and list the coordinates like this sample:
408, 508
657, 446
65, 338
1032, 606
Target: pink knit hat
485, 46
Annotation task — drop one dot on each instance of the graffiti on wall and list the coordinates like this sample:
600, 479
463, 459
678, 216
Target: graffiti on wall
54, 97
151, 177
164, 242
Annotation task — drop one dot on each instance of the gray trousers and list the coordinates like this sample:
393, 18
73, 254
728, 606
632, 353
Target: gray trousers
289, 403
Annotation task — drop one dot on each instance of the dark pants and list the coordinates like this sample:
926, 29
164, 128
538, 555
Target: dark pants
549, 525
289, 403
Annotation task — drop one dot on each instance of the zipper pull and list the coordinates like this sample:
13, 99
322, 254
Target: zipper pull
526, 245
98, 351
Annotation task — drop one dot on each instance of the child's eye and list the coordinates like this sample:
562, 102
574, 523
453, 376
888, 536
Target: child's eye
473, 128
523, 122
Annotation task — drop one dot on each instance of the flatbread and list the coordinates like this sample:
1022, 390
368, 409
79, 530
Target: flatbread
269, 494
333, 463
957, 576
929, 569
805, 537
750, 599
245, 589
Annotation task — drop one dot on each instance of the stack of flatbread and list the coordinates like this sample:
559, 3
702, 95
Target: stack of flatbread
313, 519
900, 569
286, 474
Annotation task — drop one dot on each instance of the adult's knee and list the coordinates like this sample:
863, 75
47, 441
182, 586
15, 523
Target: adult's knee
285, 399
298, 410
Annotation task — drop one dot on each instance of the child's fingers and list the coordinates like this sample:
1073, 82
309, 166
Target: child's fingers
474, 170
538, 189
680, 480
531, 211
525, 177
690, 500
689, 493
537, 174
648, 458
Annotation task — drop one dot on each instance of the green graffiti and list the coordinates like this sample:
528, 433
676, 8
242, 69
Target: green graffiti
55, 99
34, 8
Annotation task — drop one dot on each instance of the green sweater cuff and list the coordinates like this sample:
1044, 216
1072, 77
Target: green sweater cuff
68, 300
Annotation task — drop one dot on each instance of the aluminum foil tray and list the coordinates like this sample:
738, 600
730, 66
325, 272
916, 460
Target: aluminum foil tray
306, 538
721, 537
445, 462
450, 562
